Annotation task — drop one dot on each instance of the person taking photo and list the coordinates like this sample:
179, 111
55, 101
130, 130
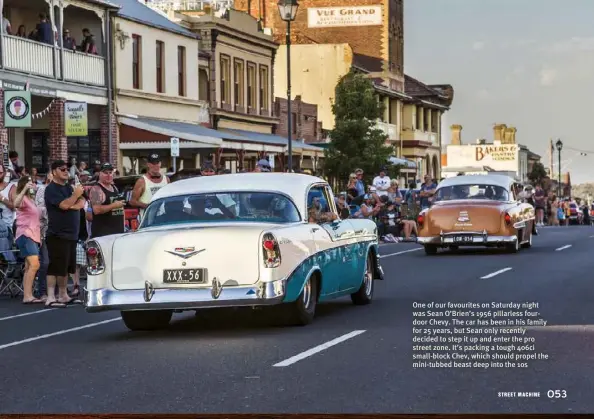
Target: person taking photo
107, 204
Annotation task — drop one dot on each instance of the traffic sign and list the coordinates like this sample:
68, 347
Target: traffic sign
174, 147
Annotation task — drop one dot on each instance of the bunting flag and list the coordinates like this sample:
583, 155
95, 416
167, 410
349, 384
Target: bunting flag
44, 112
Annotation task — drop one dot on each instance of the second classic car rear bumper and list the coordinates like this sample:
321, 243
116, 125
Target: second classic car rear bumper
471, 238
259, 294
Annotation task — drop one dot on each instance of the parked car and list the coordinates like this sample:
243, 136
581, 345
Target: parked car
230, 241
476, 210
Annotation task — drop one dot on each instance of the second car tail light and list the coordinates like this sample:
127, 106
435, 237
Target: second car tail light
507, 218
420, 219
95, 261
271, 251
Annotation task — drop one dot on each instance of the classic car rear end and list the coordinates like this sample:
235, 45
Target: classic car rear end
476, 211
231, 245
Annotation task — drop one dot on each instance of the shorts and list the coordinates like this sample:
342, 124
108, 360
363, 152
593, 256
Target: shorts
62, 256
27, 247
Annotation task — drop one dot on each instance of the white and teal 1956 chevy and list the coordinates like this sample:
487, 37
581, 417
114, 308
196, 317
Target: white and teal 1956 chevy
230, 241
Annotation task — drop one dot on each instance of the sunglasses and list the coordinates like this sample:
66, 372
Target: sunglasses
62, 169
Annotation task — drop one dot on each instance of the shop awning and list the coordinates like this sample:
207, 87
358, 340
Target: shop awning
275, 139
182, 130
402, 162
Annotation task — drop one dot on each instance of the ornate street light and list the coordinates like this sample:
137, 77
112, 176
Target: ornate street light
288, 11
559, 145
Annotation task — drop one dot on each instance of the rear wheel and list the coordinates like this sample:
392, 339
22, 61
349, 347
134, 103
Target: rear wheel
515, 246
430, 249
365, 294
528, 244
147, 320
302, 311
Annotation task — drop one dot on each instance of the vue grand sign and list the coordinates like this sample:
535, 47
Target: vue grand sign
496, 152
329, 17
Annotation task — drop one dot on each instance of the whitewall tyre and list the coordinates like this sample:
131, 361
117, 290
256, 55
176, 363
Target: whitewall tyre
302, 311
364, 295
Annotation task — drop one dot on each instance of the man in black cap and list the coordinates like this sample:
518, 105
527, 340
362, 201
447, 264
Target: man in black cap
148, 184
63, 203
207, 169
108, 205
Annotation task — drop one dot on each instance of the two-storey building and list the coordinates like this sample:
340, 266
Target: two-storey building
55, 81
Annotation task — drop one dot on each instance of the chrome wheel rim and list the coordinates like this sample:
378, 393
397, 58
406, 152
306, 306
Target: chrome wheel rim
368, 278
307, 294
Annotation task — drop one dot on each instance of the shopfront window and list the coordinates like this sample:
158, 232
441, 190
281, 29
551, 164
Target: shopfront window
37, 150
87, 149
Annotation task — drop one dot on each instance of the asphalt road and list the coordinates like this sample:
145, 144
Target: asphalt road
68, 361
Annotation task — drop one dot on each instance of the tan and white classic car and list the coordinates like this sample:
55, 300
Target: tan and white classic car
476, 210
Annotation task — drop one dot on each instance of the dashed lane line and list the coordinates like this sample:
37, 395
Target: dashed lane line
400, 253
58, 333
306, 354
492, 274
567, 246
27, 314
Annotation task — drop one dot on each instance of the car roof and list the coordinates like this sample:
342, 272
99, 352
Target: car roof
496, 180
294, 185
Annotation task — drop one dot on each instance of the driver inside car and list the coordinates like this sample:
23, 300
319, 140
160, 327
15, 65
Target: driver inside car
317, 215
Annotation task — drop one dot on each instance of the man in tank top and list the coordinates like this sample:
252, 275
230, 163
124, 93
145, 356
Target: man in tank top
148, 184
107, 204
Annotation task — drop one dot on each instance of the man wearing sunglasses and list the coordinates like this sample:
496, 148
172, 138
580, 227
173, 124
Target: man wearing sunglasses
63, 203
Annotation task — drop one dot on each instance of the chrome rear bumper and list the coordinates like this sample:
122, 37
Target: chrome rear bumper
259, 294
472, 238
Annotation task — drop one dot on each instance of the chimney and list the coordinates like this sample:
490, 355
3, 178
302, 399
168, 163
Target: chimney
507, 136
456, 134
498, 132
512, 135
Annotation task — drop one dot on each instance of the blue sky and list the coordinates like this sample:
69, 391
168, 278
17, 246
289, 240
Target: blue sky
526, 63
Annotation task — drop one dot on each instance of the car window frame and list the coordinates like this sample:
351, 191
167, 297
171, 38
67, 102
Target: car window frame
326, 193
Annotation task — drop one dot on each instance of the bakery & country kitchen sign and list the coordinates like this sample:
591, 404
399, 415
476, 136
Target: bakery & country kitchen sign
497, 152
75, 119
332, 17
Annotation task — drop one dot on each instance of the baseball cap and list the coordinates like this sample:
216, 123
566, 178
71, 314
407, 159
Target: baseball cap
106, 166
96, 163
58, 163
154, 158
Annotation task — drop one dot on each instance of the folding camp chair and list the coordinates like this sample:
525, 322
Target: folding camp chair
11, 268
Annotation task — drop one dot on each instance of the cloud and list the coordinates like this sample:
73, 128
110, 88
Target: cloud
569, 46
517, 43
548, 76
478, 45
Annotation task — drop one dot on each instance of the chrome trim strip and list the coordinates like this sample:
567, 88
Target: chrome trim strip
478, 240
259, 294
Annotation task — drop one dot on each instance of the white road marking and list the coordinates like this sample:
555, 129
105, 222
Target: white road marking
567, 246
492, 274
27, 314
319, 348
58, 333
591, 236
399, 253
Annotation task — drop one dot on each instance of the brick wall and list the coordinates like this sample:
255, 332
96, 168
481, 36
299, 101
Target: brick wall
58, 143
105, 137
366, 40
307, 127
3, 131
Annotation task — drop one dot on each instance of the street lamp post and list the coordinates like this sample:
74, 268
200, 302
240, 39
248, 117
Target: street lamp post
559, 145
288, 11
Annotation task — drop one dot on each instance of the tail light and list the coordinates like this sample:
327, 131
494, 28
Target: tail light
270, 251
95, 261
507, 218
420, 219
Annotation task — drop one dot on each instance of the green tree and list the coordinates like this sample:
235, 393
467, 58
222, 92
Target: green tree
356, 142
538, 173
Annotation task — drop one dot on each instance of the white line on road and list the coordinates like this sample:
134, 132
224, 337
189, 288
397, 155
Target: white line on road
27, 314
399, 253
60, 332
567, 246
492, 274
319, 348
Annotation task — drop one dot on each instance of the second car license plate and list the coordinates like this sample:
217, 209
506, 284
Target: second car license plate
463, 239
184, 276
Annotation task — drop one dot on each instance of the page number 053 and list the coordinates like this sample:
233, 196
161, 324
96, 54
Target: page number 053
556, 394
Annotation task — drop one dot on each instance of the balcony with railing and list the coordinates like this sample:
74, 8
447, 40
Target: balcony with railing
423, 137
390, 130
25, 52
